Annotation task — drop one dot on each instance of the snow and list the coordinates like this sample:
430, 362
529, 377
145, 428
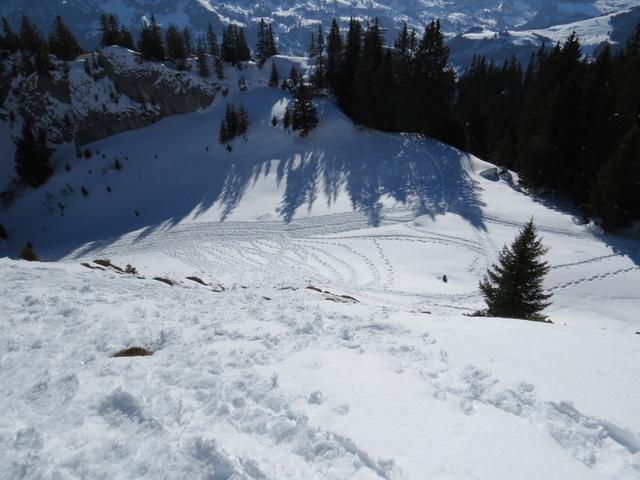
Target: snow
243, 387
374, 372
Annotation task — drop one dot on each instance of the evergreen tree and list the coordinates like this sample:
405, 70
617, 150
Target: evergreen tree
31, 38
125, 39
367, 67
513, 287
384, 111
212, 41
9, 40
32, 157
402, 42
313, 48
334, 53
219, 68
266, 46
286, 118
271, 41
223, 135
405, 48
176, 48
304, 116
109, 30
62, 43
262, 47
243, 121
242, 49
187, 39
114, 34
432, 84
293, 77
319, 77
33, 46
349, 61
3, 232
234, 45
201, 59
150, 44
227, 49
235, 123
274, 78
616, 193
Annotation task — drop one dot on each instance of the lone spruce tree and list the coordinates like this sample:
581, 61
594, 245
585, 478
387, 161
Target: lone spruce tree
513, 287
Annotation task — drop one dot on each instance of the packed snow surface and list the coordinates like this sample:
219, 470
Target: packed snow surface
374, 372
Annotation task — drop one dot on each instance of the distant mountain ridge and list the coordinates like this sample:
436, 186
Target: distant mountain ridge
294, 20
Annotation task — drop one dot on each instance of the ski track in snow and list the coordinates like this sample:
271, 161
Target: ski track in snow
325, 249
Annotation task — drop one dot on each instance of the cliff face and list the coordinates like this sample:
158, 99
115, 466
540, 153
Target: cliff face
99, 95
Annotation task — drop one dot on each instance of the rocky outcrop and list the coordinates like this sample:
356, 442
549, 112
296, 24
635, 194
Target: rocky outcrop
174, 93
100, 95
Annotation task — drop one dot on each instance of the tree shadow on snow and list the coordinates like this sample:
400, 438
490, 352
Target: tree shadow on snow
417, 173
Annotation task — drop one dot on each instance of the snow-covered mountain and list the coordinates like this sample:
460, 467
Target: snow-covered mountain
534, 20
292, 293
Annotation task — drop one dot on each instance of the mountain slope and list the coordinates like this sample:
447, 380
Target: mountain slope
373, 372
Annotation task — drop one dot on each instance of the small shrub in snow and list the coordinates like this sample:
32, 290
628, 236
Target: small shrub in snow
28, 253
134, 352
242, 84
67, 167
6, 198
316, 398
108, 189
136, 213
130, 269
84, 191
87, 153
117, 165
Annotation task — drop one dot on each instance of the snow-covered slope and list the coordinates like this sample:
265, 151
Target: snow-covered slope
261, 383
373, 373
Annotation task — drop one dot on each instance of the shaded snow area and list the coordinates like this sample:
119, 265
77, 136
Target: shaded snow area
318, 339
